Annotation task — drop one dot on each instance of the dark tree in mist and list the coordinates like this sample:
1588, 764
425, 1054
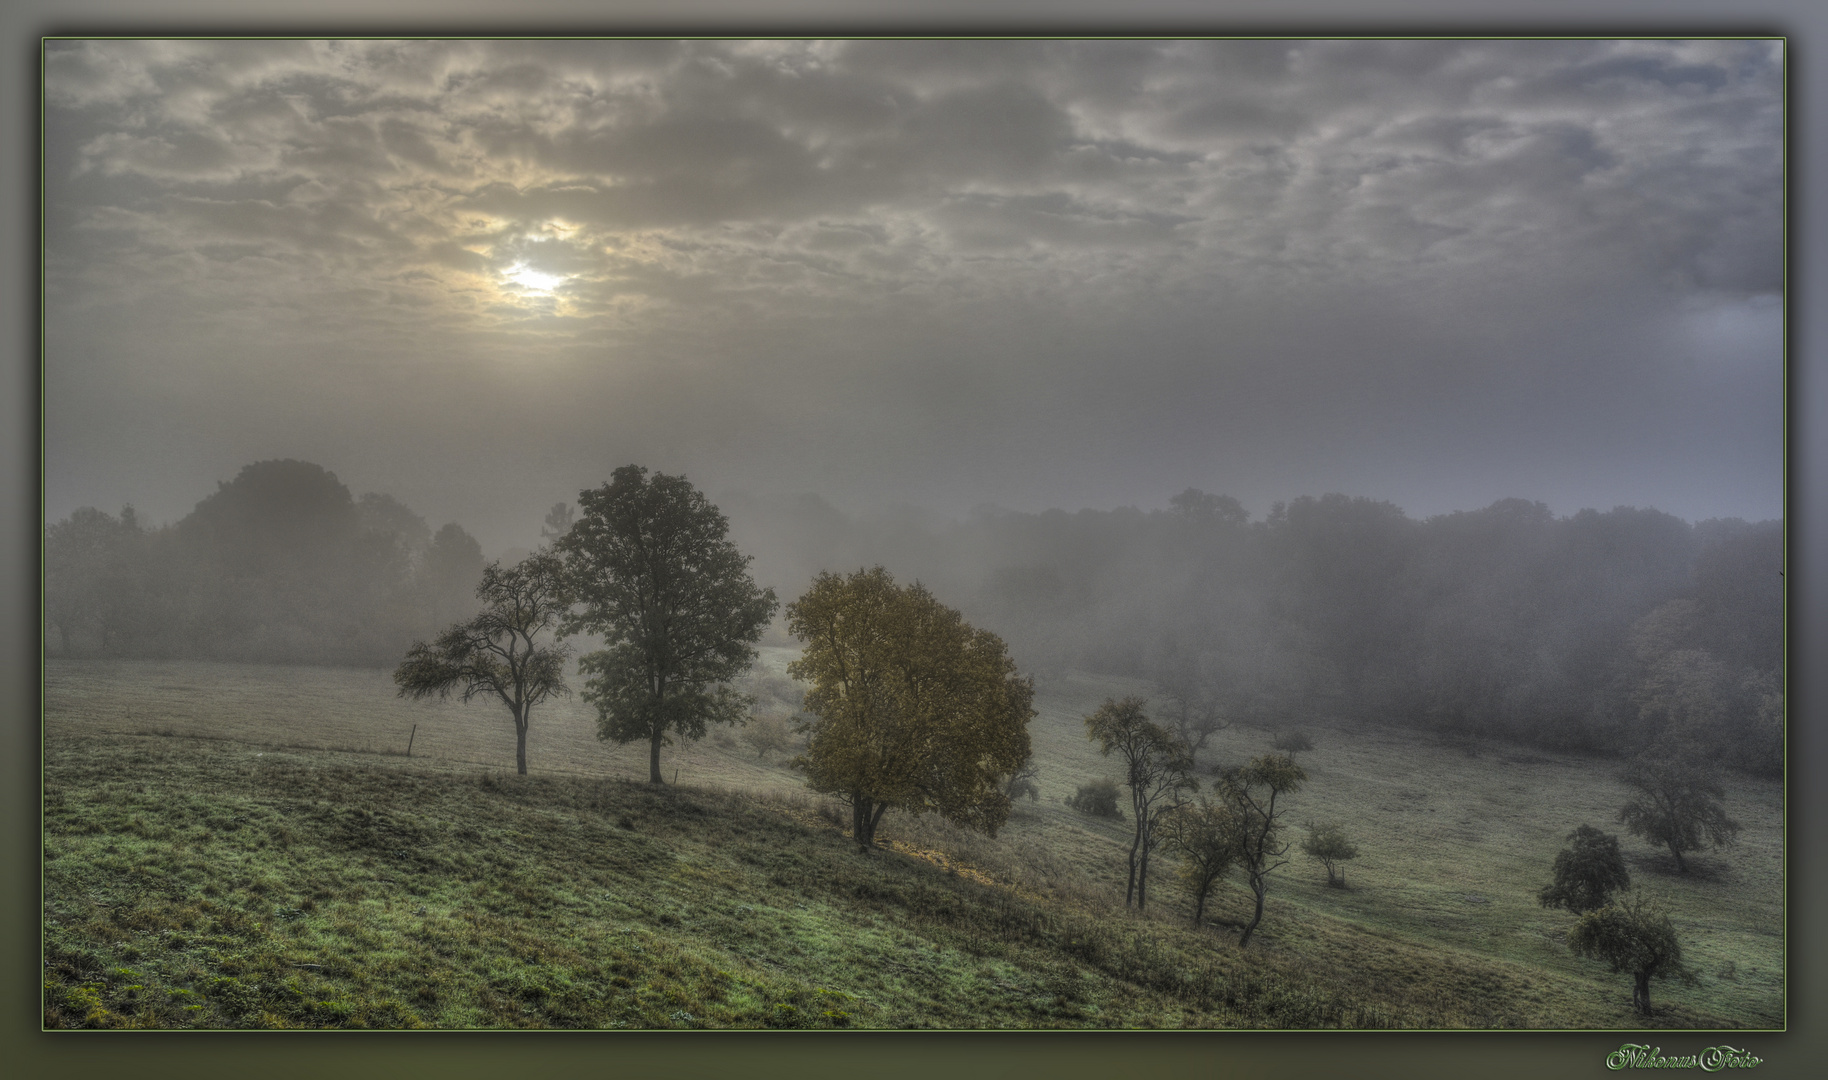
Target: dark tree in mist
498, 652
1327, 844
1204, 832
1157, 770
1634, 935
557, 524
1677, 802
1587, 872
91, 564
655, 575
1252, 792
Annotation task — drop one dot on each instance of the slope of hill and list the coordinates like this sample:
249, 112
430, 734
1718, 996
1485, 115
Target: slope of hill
210, 882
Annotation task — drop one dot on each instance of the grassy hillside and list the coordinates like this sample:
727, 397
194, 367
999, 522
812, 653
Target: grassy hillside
213, 859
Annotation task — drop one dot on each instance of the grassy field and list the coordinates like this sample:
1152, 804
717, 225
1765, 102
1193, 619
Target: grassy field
238, 845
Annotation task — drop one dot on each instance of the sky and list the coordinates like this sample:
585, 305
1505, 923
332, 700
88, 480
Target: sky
479, 276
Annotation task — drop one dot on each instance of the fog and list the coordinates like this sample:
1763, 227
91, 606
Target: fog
1436, 380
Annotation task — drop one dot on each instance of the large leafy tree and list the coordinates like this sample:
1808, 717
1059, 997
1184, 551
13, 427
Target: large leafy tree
1158, 770
912, 706
499, 652
1632, 934
1587, 872
654, 574
1252, 792
1676, 802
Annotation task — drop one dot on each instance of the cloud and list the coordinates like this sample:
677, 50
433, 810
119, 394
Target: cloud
944, 248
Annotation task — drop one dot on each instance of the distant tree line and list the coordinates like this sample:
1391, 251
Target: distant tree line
1600, 631
279, 564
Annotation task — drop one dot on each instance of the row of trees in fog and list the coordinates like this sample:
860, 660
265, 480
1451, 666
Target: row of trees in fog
280, 564
1596, 631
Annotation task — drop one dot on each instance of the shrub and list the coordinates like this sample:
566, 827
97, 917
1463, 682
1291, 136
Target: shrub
1290, 742
1098, 798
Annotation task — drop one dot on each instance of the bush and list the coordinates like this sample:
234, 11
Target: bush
1098, 798
1290, 742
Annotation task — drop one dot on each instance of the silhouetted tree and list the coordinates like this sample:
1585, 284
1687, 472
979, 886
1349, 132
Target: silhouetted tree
1022, 782
1587, 872
498, 651
558, 523
1677, 804
1632, 934
1252, 792
1157, 769
1204, 832
1327, 845
654, 573
912, 706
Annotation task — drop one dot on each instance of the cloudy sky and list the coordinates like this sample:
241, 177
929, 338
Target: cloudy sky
481, 275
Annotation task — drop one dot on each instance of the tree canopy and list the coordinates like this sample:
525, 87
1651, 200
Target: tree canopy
651, 566
1328, 845
499, 652
912, 706
1677, 801
1632, 934
1158, 770
1587, 872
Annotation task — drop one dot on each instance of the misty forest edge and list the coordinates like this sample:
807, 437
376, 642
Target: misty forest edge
1630, 634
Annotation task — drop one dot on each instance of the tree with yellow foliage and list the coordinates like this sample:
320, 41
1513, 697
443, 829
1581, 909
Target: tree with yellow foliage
912, 707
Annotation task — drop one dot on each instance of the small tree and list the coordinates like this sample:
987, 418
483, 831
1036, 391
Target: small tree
1252, 792
767, 734
651, 566
558, 523
1193, 706
1587, 872
1327, 844
912, 706
1205, 834
1632, 934
497, 652
1022, 782
1158, 770
1677, 803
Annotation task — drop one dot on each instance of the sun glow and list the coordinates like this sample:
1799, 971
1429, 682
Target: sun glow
538, 281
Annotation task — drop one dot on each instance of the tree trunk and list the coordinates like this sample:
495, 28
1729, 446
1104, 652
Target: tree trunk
1199, 907
653, 758
1677, 852
1129, 889
865, 813
1640, 994
520, 743
1142, 875
1258, 888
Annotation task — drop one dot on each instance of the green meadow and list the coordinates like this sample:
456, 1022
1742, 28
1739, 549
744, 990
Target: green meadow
236, 845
